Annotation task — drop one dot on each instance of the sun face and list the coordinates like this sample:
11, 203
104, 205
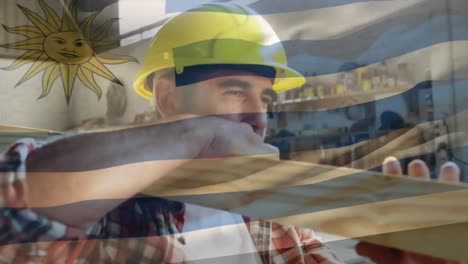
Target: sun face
68, 48
64, 47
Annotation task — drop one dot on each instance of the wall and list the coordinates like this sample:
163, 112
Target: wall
19, 105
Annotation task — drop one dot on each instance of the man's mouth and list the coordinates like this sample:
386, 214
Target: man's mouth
69, 55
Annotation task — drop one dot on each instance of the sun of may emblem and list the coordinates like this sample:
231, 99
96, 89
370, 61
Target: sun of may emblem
65, 47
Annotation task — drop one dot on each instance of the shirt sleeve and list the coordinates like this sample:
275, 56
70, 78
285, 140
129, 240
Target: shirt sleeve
21, 224
129, 232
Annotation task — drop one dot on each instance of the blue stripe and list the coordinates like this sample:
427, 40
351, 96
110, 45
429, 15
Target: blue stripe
336, 193
365, 47
265, 6
334, 116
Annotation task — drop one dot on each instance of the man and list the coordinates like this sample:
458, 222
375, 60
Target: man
211, 72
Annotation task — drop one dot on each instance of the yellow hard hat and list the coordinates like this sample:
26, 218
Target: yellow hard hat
216, 34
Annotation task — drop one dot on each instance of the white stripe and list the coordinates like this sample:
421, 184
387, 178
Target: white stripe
333, 22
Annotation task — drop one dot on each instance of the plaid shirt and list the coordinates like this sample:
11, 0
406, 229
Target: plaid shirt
141, 230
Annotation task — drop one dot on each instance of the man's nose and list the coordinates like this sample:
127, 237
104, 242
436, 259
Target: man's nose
255, 115
257, 120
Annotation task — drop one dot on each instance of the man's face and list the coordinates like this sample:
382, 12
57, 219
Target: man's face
238, 96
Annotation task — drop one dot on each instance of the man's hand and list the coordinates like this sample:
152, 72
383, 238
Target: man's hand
15, 194
449, 172
218, 137
224, 138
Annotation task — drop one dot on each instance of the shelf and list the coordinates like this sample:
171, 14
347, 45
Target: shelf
335, 101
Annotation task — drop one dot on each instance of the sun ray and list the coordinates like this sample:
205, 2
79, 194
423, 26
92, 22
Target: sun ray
28, 44
37, 20
41, 64
86, 25
68, 73
51, 15
109, 58
50, 75
87, 78
103, 30
103, 46
97, 67
27, 31
27, 57
69, 18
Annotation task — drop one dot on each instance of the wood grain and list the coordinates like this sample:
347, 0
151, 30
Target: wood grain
20, 129
341, 201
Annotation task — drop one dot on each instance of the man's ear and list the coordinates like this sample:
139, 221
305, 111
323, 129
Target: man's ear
166, 97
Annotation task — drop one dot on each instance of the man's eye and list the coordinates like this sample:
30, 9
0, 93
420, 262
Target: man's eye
235, 93
59, 41
79, 44
267, 100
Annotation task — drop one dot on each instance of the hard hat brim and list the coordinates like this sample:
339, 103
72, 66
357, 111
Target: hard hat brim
286, 79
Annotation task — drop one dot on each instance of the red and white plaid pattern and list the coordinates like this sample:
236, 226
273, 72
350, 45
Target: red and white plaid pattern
110, 241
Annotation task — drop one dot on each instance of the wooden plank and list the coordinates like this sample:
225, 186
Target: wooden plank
10, 134
434, 224
20, 129
445, 241
341, 201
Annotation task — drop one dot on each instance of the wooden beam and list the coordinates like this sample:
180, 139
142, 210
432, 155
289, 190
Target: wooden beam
341, 201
